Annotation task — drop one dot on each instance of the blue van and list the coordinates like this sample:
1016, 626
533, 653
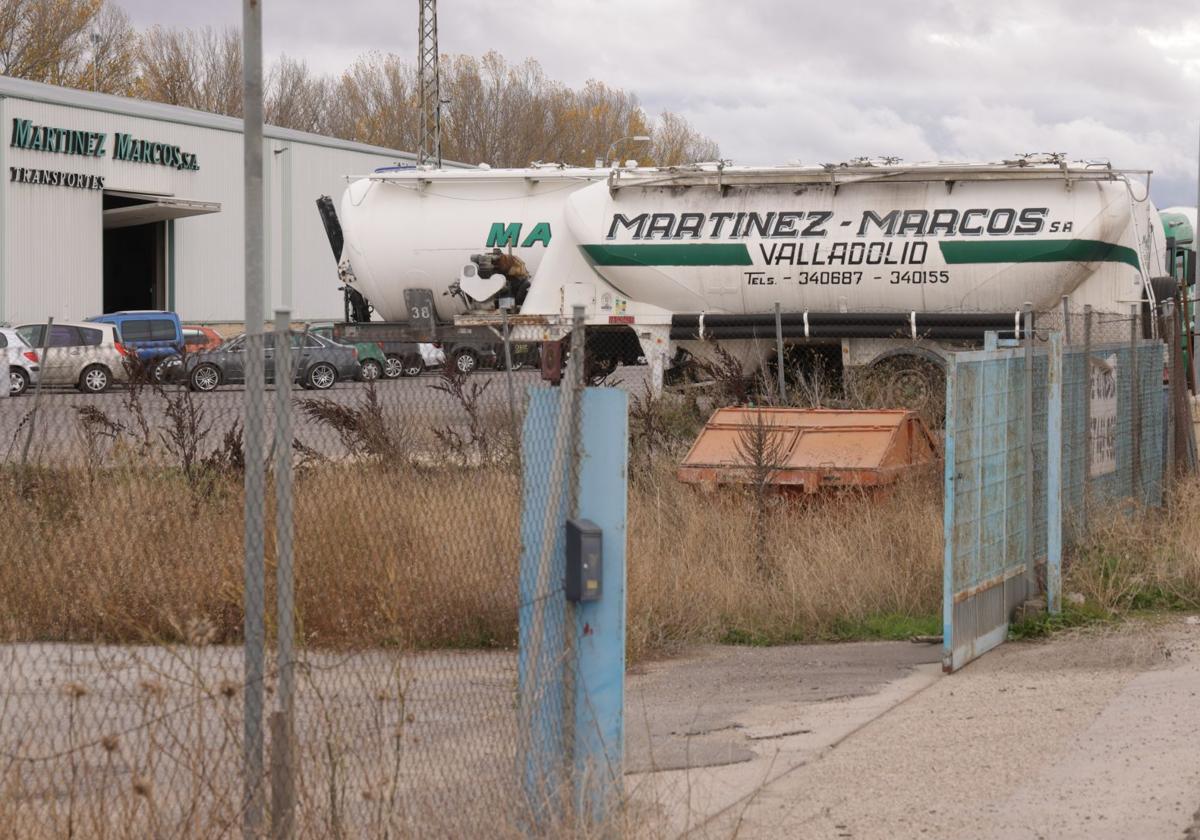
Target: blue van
155, 335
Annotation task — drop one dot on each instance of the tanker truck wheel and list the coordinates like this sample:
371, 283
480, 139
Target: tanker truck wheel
916, 384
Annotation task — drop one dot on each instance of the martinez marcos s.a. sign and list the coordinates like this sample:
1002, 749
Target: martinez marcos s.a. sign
94, 144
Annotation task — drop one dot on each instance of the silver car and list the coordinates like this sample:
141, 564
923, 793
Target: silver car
23, 364
317, 362
84, 354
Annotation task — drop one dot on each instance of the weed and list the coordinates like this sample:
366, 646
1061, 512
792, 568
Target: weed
1043, 624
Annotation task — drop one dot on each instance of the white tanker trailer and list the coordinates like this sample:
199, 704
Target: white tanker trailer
879, 260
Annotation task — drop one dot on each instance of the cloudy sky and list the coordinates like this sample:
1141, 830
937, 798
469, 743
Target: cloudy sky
774, 81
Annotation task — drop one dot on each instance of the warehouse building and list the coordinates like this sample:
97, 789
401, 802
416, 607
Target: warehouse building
111, 203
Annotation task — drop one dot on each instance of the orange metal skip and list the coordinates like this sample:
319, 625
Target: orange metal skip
818, 448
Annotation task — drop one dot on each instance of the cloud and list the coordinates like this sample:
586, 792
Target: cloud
780, 80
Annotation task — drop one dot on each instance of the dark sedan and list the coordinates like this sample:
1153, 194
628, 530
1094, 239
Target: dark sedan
317, 362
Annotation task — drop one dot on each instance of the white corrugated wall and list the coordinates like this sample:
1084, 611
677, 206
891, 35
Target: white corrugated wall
51, 237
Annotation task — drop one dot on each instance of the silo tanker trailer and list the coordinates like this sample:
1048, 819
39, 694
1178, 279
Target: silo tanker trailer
874, 262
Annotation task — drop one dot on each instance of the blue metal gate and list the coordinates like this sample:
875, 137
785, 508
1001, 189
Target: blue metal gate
1026, 451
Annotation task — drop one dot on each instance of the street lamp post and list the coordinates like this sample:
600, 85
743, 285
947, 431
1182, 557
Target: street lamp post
636, 138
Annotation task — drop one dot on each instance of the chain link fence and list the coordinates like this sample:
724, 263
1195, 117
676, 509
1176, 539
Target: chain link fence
390, 604
407, 705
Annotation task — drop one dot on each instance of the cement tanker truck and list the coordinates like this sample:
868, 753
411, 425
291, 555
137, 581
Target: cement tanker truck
872, 261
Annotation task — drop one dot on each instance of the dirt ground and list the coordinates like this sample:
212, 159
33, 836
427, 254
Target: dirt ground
1090, 734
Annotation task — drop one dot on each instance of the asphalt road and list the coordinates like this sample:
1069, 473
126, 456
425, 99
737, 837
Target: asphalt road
412, 403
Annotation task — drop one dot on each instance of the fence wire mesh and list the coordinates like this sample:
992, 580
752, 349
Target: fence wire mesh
123, 695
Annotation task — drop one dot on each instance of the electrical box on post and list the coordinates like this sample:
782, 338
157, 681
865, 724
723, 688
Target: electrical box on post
584, 559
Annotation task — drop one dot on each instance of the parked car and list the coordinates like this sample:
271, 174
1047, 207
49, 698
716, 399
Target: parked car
198, 339
318, 363
371, 359
86, 354
469, 353
155, 335
22, 362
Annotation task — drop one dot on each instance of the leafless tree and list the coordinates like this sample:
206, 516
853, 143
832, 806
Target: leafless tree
296, 98
761, 449
675, 141
494, 112
51, 41
195, 68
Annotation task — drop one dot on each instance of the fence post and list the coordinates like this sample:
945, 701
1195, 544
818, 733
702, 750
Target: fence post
779, 354
252, 809
576, 373
1184, 443
948, 512
1030, 571
37, 399
1087, 416
1135, 408
1066, 313
599, 628
508, 377
1054, 475
541, 670
283, 754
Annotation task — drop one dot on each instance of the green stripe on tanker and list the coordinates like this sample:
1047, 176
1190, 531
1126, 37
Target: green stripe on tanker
954, 253
1037, 250
699, 253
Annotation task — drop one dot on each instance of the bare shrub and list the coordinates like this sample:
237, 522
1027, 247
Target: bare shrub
476, 441
186, 430
365, 430
230, 457
760, 446
97, 433
734, 385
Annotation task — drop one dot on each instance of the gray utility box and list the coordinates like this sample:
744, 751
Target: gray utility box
584, 560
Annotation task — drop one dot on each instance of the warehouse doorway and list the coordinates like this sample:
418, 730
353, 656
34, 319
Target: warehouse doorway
135, 275
139, 256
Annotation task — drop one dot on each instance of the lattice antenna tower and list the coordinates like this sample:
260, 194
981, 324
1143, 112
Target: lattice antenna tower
429, 81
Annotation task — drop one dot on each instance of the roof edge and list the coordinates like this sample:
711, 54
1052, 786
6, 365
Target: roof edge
14, 88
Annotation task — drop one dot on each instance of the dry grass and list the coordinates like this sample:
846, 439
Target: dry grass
427, 558
831, 561
1141, 559
383, 556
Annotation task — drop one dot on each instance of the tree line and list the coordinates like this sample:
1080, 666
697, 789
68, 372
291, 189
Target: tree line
495, 111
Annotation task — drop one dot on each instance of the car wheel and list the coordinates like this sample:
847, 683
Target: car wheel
205, 378
370, 370
95, 379
465, 361
394, 368
413, 366
321, 376
162, 370
18, 381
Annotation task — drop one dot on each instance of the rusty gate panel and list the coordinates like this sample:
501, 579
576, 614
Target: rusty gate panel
986, 573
